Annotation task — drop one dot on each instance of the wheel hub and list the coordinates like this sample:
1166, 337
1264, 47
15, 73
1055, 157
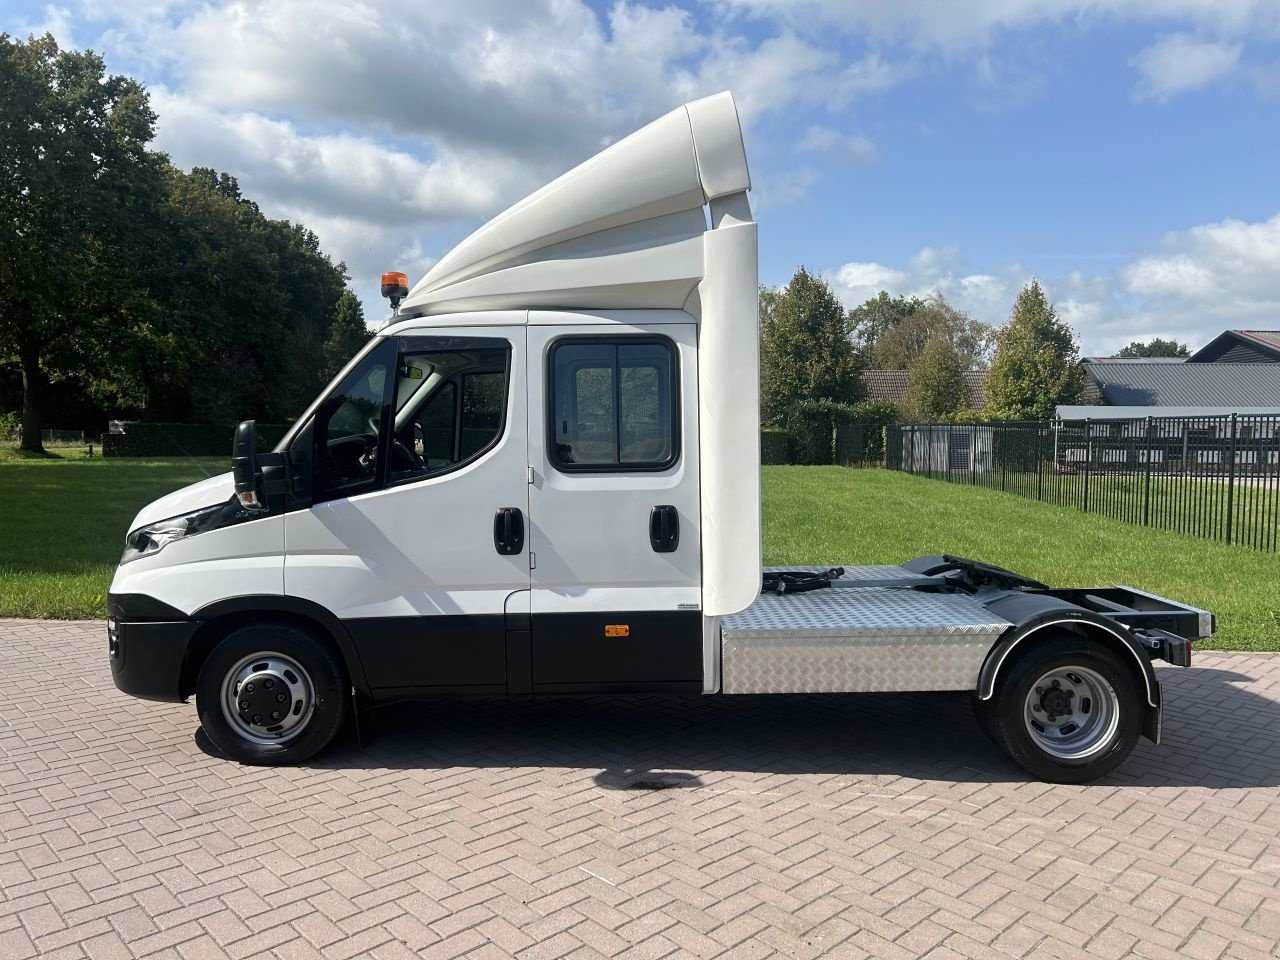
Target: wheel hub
264, 699
267, 698
1071, 712
1055, 701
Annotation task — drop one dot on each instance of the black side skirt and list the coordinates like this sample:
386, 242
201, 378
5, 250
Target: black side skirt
641, 651
519, 655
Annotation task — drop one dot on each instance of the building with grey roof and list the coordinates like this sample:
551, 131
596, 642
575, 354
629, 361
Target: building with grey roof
1142, 383
1240, 346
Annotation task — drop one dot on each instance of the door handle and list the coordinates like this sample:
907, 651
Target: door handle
664, 528
508, 531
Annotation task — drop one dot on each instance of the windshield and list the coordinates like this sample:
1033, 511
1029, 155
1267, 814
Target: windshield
308, 413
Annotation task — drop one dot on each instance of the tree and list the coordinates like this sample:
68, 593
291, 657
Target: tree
1037, 361
804, 351
935, 383
74, 176
869, 321
238, 312
1156, 347
898, 347
347, 334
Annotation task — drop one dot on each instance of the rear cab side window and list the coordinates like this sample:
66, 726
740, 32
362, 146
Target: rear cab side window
613, 404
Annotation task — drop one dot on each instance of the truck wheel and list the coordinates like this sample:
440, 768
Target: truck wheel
1067, 711
271, 693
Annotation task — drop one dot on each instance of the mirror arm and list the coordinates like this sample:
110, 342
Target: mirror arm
274, 470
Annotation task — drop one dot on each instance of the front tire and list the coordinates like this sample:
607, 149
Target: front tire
271, 694
1067, 711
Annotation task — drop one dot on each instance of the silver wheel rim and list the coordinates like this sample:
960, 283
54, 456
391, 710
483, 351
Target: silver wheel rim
1071, 712
267, 698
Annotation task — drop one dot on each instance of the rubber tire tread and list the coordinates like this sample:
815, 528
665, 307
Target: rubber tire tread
1004, 710
319, 659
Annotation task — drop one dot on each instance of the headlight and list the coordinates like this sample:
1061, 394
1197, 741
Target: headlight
151, 539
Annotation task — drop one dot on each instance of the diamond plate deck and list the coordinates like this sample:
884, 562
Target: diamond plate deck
857, 640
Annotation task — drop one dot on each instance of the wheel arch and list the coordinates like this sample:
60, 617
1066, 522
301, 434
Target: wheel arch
219, 618
1083, 623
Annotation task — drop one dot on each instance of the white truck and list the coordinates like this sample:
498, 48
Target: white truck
542, 477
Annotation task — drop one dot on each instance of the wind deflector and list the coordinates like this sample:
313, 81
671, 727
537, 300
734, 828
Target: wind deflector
622, 230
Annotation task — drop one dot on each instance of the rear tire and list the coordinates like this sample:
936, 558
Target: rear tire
271, 694
1067, 711
982, 713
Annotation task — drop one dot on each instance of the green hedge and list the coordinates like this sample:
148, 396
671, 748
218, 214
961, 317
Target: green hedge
811, 429
775, 446
184, 439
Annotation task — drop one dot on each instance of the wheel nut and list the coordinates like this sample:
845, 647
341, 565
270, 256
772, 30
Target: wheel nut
271, 683
244, 704
249, 687
1035, 707
1040, 690
1071, 693
280, 698
257, 718
1052, 718
1056, 684
275, 714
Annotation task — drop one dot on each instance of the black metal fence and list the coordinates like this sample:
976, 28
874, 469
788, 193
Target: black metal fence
1212, 477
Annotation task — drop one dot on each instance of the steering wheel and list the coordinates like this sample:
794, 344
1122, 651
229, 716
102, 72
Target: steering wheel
405, 458
368, 457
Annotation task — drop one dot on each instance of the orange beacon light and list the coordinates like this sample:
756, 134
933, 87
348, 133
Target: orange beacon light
395, 287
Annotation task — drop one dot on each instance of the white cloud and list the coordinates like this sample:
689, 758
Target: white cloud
844, 147
339, 174
381, 119
366, 201
55, 20
854, 279
985, 296
547, 80
781, 188
1205, 280
1218, 274
387, 126
1179, 63
1178, 277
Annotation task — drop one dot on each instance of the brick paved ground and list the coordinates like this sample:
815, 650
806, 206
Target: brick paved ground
792, 827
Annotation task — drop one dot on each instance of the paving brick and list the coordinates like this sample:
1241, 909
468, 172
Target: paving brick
495, 829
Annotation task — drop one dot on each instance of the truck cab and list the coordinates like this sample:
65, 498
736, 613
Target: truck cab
541, 477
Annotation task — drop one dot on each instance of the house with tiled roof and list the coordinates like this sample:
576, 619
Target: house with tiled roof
891, 385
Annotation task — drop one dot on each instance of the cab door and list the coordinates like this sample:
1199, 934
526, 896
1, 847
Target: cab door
417, 533
614, 503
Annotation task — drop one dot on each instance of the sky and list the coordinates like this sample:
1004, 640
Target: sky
1124, 152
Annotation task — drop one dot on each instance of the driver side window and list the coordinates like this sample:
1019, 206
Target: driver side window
450, 405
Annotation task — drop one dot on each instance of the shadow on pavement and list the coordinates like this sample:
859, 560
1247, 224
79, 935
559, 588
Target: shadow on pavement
1216, 734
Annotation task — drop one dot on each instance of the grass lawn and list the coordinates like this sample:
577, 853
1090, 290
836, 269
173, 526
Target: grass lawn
65, 520
815, 515
65, 517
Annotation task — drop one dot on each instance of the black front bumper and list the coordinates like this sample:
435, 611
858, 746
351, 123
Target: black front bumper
147, 645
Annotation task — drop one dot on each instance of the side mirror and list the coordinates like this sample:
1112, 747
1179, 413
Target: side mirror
244, 467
